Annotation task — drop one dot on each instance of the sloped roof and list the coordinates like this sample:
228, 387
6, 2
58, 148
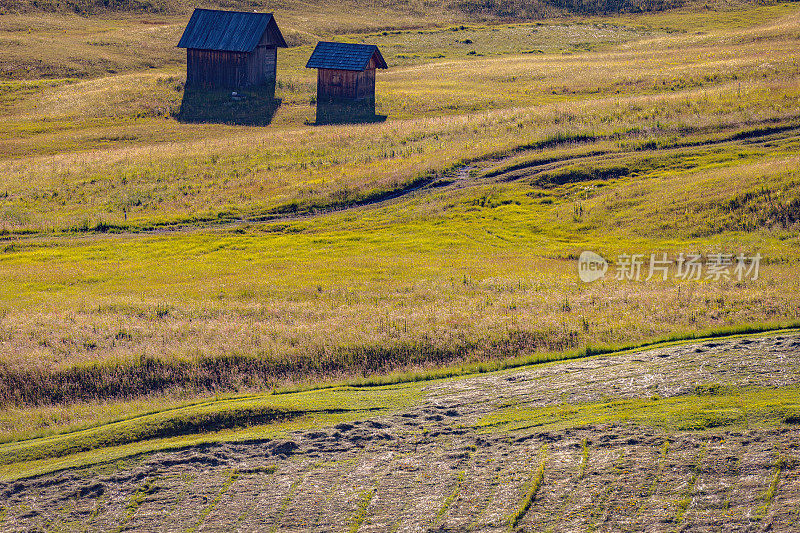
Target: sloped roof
231, 31
344, 56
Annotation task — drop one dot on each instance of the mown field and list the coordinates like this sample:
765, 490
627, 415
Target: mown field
700, 437
149, 262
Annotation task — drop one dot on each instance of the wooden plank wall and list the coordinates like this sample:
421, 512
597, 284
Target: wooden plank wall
348, 84
262, 65
216, 69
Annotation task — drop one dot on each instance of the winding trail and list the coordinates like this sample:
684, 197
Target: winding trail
491, 169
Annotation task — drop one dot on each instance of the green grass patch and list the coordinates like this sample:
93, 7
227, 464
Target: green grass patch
361, 510
534, 485
232, 416
584, 458
769, 494
737, 408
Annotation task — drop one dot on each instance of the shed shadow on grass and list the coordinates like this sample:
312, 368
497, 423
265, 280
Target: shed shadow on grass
253, 106
342, 111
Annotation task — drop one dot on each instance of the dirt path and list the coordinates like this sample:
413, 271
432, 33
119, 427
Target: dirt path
481, 171
431, 469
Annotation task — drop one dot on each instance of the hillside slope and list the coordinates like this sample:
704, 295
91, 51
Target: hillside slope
148, 261
211, 325
509, 9
693, 437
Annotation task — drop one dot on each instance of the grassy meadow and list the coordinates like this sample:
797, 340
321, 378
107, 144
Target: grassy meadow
155, 262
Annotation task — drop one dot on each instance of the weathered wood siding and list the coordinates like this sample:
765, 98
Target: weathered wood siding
348, 84
216, 69
262, 65
272, 36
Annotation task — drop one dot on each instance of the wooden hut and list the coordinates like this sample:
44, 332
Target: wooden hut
231, 49
345, 79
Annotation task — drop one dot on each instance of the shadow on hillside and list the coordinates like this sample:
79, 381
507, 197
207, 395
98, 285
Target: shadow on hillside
347, 112
254, 106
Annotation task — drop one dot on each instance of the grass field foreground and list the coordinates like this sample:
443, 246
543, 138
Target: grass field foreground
150, 260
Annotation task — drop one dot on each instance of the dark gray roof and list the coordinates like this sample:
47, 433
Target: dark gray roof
344, 56
231, 31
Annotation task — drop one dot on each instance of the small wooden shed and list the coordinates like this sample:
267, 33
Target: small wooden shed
346, 71
231, 49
